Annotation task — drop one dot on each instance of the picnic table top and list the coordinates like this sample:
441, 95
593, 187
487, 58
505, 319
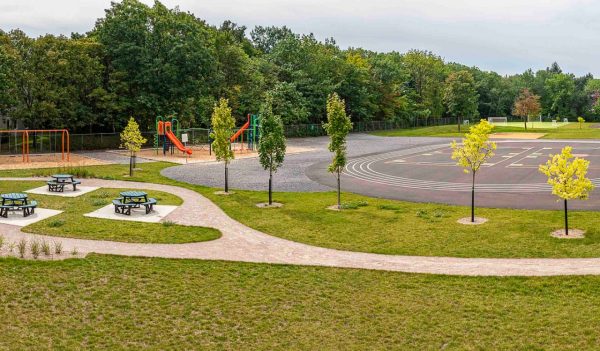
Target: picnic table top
14, 196
133, 193
58, 176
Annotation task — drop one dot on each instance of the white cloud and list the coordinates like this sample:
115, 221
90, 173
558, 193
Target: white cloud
503, 35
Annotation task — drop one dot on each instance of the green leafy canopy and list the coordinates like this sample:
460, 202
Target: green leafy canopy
338, 126
272, 142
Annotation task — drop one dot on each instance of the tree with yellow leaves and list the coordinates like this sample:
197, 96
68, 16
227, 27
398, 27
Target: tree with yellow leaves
568, 178
581, 121
132, 140
474, 151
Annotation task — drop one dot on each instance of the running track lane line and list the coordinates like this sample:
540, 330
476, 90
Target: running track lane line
243, 244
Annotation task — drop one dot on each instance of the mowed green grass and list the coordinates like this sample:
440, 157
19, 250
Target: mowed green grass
71, 223
569, 131
106, 302
393, 227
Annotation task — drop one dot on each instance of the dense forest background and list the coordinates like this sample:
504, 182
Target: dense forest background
142, 61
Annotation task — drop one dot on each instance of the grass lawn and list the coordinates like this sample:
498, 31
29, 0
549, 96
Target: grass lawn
569, 131
392, 227
107, 302
71, 223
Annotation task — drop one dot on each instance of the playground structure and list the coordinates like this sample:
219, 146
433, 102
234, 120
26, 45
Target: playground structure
42, 140
170, 140
250, 131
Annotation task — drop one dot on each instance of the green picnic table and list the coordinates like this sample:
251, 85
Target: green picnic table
132, 199
16, 202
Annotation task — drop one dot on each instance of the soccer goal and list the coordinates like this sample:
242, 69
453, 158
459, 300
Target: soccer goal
500, 121
534, 119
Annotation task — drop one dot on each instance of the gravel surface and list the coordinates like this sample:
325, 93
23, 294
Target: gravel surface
247, 174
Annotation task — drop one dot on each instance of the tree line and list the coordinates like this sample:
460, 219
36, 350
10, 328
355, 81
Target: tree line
144, 61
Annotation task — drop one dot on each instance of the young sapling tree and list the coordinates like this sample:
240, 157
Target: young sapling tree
271, 143
568, 178
132, 140
222, 124
474, 151
337, 127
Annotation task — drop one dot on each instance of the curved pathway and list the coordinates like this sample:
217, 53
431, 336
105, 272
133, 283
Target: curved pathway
241, 243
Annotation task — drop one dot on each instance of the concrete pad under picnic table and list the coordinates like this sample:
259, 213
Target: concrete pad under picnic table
137, 214
43, 190
16, 217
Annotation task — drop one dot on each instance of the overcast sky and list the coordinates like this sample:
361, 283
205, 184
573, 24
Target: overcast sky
507, 36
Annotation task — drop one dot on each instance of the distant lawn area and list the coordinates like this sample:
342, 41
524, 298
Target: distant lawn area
382, 226
110, 302
71, 223
568, 131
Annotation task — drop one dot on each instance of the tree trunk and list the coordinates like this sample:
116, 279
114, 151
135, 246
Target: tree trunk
473, 199
131, 164
226, 178
458, 123
339, 196
525, 121
270, 187
566, 220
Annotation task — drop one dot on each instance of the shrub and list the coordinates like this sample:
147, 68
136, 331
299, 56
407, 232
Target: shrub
353, 205
34, 247
98, 202
22, 247
56, 223
57, 247
46, 248
168, 223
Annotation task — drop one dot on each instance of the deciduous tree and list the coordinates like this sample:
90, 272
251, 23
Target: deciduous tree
132, 140
337, 127
222, 124
460, 95
271, 145
474, 151
526, 105
568, 178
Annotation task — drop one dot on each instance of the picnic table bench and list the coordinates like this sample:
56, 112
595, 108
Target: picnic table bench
58, 182
133, 199
16, 202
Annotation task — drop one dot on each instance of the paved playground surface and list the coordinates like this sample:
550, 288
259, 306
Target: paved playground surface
428, 174
247, 174
412, 169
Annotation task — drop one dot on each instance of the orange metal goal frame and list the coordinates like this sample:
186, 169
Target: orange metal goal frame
65, 141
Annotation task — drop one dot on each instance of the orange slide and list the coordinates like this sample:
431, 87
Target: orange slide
239, 132
176, 142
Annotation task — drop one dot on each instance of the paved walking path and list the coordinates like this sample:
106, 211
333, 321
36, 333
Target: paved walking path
241, 243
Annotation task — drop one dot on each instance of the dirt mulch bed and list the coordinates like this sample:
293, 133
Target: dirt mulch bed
47, 161
573, 234
508, 135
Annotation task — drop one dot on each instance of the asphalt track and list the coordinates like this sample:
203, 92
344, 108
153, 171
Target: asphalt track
426, 173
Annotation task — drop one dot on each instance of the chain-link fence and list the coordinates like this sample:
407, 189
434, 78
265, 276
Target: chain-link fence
11, 143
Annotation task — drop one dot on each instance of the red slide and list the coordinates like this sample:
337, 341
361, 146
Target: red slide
178, 143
